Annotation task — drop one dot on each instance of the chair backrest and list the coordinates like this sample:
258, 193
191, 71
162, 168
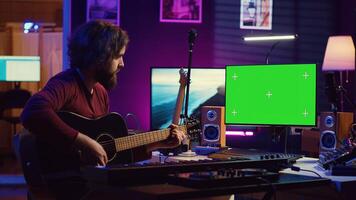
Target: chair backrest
25, 147
15, 98
26, 151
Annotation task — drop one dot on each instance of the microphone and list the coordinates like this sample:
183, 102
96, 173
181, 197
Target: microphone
192, 35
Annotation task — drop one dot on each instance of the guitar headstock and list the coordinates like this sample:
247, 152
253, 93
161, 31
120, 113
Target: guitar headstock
183, 77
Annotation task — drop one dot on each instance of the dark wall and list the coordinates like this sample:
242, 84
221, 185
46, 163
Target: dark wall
313, 21
155, 44
219, 42
346, 18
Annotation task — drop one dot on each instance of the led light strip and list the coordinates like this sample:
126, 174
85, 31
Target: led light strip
268, 38
240, 133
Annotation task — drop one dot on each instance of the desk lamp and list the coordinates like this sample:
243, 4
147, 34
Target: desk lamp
275, 38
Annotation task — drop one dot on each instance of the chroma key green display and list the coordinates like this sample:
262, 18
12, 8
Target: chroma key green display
283, 94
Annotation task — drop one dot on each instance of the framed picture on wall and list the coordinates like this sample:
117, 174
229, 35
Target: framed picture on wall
181, 11
106, 10
256, 14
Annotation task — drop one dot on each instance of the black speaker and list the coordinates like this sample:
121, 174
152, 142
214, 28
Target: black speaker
213, 126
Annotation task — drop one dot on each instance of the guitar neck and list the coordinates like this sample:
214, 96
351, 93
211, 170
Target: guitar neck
179, 104
140, 139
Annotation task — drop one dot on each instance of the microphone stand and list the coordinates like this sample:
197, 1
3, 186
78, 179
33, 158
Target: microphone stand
192, 36
191, 39
186, 144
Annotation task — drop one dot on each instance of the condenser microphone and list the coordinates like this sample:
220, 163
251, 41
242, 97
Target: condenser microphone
192, 35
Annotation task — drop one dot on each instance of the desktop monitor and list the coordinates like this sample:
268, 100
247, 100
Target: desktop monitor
205, 83
281, 95
19, 68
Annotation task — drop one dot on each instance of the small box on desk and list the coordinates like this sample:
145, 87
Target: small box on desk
310, 143
206, 150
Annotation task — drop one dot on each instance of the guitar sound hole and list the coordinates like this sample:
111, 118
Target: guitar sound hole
108, 143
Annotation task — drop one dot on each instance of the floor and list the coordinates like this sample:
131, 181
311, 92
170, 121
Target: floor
12, 183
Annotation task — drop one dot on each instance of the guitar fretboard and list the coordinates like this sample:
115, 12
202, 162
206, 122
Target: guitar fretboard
141, 139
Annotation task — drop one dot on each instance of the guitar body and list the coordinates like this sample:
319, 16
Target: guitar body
111, 133
104, 130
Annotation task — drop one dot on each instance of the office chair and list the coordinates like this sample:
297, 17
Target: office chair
25, 149
13, 99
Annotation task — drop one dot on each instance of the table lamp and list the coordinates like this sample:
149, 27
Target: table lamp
339, 56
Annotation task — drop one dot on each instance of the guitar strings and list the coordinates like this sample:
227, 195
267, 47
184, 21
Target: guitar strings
129, 137
112, 142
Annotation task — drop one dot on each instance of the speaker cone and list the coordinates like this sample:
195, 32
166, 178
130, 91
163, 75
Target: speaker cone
328, 140
211, 132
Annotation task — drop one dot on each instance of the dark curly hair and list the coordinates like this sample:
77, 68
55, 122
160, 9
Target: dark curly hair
96, 43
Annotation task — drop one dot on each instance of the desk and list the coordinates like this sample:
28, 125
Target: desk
169, 190
345, 185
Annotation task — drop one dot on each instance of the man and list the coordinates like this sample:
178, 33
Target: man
96, 53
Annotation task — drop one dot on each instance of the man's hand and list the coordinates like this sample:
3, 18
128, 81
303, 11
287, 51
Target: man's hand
175, 139
92, 151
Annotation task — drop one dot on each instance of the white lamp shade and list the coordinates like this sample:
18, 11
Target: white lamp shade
339, 54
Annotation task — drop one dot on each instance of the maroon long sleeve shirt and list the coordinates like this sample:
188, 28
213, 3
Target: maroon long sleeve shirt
64, 92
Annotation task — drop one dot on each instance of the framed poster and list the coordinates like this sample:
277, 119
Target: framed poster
256, 14
181, 11
106, 10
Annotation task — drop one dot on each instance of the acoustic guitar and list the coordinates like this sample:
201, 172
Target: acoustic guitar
111, 132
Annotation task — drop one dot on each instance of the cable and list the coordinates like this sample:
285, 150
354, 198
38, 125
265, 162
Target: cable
138, 127
270, 51
160, 156
165, 159
137, 122
286, 140
297, 169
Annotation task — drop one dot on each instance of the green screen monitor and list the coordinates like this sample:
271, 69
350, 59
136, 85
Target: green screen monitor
281, 95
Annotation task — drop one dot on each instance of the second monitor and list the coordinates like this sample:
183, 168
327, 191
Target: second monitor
280, 95
207, 88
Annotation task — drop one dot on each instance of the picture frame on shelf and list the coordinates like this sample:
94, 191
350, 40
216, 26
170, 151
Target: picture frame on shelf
106, 10
181, 11
256, 14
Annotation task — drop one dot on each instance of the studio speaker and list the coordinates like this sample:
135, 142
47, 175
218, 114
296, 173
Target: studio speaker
213, 126
334, 128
